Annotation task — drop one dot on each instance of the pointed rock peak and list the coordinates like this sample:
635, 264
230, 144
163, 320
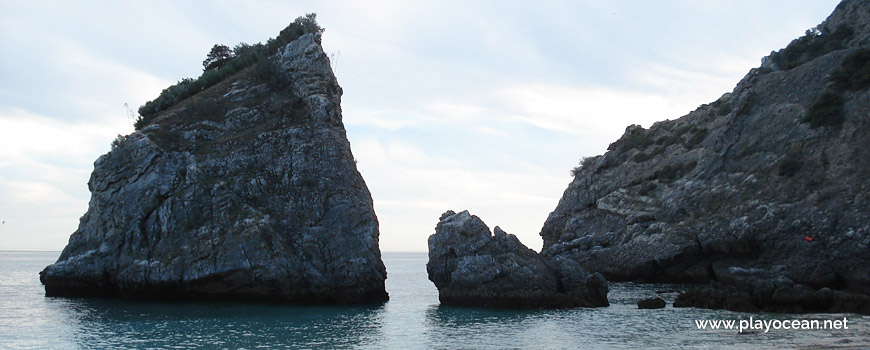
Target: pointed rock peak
243, 189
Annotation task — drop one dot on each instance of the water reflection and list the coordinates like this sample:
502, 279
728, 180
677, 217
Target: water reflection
440, 316
499, 329
622, 325
411, 319
124, 323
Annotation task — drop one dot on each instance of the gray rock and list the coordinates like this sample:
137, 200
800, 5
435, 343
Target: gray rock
729, 192
651, 303
243, 191
472, 266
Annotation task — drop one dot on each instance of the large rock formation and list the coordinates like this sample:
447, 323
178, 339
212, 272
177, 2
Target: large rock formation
246, 190
472, 267
764, 192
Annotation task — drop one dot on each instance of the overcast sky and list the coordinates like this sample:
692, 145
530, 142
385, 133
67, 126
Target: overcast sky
478, 105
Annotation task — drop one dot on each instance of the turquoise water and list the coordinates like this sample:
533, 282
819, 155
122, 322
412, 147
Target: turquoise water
412, 319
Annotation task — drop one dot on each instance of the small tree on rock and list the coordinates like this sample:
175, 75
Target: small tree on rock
217, 57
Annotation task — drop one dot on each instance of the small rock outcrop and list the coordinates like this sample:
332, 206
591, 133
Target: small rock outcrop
651, 303
763, 194
245, 191
472, 267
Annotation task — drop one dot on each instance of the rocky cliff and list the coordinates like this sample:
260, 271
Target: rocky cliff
246, 190
471, 266
764, 193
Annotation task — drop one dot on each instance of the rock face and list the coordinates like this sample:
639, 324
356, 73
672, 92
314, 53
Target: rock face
246, 190
763, 192
472, 267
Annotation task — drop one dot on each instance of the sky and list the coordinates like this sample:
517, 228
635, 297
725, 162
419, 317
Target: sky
477, 105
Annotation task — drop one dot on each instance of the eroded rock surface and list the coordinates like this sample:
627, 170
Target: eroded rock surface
758, 192
246, 190
472, 266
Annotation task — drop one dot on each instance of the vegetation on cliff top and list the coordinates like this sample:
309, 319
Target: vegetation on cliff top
816, 42
222, 62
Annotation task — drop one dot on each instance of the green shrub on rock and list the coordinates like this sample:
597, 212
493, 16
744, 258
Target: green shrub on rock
854, 72
221, 63
790, 165
826, 111
815, 43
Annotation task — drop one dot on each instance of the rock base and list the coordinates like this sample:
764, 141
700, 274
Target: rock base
788, 299
210, 292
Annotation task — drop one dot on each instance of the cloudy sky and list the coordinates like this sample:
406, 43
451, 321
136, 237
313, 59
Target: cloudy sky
479, 105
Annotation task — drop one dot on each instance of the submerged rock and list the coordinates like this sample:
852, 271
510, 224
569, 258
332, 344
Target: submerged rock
768, 182
471, 266
247, 190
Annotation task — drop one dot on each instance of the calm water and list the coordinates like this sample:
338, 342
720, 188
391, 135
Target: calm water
412, 319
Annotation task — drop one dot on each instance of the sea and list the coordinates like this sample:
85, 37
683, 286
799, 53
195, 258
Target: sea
412, 319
